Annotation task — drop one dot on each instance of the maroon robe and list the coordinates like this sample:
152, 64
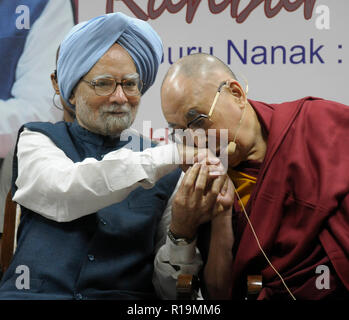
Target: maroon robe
300, 204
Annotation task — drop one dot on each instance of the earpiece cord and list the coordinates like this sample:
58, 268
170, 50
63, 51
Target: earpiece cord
240, 122
259, 245
243, 114
54, 102
242, 205
69, 109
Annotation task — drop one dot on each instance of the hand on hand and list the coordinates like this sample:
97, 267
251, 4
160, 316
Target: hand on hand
225, 199
199, 198
190, 155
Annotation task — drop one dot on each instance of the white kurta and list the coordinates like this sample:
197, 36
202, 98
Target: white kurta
52, 185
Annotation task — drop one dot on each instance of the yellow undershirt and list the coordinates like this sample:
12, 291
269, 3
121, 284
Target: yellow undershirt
244, 184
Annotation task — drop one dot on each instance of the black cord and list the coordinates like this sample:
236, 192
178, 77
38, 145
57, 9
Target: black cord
69, 110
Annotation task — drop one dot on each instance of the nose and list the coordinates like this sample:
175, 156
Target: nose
118, 95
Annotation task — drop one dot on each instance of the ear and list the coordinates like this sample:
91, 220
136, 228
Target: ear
72, 99
54, 83
236, 90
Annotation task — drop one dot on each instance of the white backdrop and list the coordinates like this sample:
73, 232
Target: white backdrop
311, 58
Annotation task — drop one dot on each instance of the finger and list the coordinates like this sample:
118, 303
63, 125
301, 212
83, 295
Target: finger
188, 183
217, 185
227, 199
212, 158
201, 155
231, 187
211, 179
213, 161
225, 186
185, 177
201, 182
217, 170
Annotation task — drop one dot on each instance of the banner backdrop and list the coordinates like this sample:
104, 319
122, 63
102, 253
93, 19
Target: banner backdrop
286, 49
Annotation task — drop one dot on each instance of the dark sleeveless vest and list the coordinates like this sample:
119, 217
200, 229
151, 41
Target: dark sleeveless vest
12, 39
105, 255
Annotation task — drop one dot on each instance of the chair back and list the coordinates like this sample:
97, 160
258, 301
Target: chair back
8, 236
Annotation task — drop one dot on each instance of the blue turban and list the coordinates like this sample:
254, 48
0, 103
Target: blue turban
88, 41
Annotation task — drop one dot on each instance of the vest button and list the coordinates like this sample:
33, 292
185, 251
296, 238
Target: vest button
78, 296
103, 222
91, 257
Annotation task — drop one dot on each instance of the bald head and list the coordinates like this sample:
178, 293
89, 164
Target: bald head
199, 66
190, 87
191, 82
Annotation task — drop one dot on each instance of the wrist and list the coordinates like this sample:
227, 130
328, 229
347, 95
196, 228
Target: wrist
223, 212
180, 232
179, 241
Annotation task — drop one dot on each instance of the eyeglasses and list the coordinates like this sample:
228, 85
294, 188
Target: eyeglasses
105, 86
197, 122
177, 135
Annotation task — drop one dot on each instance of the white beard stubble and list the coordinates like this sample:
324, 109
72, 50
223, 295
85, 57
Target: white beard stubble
106, 123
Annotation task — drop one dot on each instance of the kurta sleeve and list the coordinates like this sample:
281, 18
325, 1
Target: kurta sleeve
171, 260
52, 185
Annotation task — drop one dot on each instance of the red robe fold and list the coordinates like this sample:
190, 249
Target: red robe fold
300, 204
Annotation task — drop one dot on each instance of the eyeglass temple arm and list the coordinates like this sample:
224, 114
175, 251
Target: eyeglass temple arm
216, 98
218, 93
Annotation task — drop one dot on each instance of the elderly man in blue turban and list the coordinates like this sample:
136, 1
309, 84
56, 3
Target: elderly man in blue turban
91, 202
